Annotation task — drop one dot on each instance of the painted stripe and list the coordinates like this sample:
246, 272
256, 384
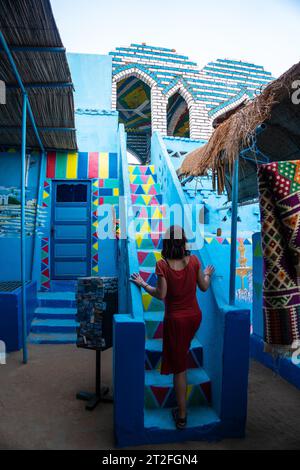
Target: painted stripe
72, 165
93, 164
103, 165
51, 159
61, 165
113, 165
82, 165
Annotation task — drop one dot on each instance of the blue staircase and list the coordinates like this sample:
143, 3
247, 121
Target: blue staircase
54, 320
159, 396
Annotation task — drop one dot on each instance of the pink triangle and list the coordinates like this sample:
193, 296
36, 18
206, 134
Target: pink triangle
133, 187
143, 212
206, 388
144, 275
141, 256
152, 190
159, 332
160, 393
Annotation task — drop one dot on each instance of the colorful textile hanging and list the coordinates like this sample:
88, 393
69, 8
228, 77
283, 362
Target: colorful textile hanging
279, 188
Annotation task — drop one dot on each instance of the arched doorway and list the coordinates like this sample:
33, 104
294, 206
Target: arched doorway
178, 118
134, 106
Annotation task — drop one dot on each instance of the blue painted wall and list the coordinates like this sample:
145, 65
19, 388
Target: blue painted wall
91, 75
96, 124
10, 242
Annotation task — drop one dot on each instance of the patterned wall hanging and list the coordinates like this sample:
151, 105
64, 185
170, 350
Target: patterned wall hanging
279, 188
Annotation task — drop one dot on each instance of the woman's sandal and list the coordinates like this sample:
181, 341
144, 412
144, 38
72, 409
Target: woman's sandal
179, 422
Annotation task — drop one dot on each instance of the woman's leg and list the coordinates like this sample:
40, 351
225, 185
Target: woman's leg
180, 386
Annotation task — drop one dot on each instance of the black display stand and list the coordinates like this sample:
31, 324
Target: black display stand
102, 392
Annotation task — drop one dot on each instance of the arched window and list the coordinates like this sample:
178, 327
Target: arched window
178, 119
134, 106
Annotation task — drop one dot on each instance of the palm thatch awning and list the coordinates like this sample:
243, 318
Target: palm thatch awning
273, 110
31, 33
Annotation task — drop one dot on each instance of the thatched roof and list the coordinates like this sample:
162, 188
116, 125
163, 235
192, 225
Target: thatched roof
29, 27
279, 141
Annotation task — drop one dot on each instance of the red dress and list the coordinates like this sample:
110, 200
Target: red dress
182, 314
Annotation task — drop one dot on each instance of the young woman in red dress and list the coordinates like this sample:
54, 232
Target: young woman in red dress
178, 274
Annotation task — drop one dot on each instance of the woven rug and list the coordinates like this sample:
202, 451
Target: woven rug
279, 189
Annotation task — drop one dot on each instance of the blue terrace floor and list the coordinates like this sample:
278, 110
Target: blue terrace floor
39, 409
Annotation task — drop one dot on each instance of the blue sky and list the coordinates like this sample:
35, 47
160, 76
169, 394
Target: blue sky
265, 32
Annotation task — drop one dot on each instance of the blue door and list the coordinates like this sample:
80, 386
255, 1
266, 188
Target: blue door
70, 230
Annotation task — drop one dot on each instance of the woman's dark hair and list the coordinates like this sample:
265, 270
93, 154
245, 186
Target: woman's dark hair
174, 243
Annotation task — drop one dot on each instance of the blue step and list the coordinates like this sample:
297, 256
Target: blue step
161, 419
52, 338
153, 354
153, 378
60, 313
53, 326
156, 344
57, 299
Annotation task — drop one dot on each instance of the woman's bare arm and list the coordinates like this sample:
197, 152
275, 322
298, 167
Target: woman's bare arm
159, 291
204, 278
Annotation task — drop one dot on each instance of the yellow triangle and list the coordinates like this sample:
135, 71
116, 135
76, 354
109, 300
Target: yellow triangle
157, 255
45, 195
95, 269
150, 180
189, 391
146, 187
130, 168
95, 224
132, 178
157, 214
208, 239
146, 199
96, 246
96, 202
146, 301
139, 239
151, 167
95, 184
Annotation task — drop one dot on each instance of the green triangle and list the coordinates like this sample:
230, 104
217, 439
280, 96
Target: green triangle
151, 327
149, 400
136, 171
196, 397
150, 261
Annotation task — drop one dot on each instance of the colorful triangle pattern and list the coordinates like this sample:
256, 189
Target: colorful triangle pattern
45, 271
